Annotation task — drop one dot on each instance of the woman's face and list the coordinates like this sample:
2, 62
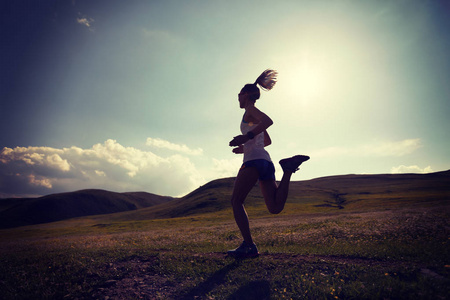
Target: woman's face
243, 99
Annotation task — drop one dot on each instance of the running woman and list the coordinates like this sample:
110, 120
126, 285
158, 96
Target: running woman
257, 163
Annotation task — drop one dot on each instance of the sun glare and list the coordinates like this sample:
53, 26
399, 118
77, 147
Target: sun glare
310, 79
325, 62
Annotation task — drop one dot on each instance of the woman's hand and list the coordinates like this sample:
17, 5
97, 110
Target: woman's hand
238, 150
238, 140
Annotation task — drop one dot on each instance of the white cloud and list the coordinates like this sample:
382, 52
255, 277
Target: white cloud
85, 21
57, 162
36, 157
163, 144
380, 149
44, 182
100, 173
226, 167
410, 169
111, 166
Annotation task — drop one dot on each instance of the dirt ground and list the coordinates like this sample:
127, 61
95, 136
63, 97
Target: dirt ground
140, 283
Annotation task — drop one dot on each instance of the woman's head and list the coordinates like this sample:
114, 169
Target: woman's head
252, 91
266, 81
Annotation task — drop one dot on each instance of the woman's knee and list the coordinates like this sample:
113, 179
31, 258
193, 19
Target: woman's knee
236, 201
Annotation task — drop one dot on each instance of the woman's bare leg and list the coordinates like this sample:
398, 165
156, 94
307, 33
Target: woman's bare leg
245, 181
276, 196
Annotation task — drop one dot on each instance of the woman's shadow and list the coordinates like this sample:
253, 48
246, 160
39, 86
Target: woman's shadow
254, 290
258, 289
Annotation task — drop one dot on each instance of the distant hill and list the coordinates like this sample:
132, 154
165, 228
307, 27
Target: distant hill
359, 191
211, 197
346, 192
55, 207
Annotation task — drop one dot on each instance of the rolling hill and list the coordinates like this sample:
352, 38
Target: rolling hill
55, 207
345, 192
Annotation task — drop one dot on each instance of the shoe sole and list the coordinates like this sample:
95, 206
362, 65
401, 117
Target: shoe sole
299, 159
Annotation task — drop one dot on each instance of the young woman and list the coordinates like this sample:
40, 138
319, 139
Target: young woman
257, 163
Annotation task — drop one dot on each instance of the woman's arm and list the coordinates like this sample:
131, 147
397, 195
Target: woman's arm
259, 117
264, 120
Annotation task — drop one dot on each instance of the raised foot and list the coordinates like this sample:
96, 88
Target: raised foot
291, 164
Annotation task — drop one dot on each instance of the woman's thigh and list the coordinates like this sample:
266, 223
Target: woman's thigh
245, 181
269, 189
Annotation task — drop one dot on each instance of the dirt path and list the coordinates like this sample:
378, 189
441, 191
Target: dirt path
139, 280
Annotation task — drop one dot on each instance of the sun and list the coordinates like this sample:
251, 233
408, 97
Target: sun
303, 79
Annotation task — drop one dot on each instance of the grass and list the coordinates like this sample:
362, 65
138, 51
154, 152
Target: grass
347, 237
321, 253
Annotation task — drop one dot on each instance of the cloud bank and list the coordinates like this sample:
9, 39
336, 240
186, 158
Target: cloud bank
110, 166
411, 169
162, 144
174, 171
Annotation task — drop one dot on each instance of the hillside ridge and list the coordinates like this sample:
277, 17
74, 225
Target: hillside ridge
61, 206
331, 192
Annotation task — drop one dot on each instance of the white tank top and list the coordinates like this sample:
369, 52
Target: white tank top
254, 148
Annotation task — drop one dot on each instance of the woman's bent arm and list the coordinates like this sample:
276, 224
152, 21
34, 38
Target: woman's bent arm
264, 120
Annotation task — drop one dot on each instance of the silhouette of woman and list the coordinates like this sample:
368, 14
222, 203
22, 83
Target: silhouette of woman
257, 163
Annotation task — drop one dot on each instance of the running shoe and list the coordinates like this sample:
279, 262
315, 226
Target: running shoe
291, 164
244, 251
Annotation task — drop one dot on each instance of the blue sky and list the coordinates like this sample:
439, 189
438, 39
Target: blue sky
142, 95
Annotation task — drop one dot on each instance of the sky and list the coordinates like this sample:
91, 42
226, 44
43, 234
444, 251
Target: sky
142, 95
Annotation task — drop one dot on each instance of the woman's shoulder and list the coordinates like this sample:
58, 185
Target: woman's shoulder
249, 118
253, 113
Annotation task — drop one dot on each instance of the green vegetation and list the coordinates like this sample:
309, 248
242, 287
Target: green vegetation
374, 247
389, 254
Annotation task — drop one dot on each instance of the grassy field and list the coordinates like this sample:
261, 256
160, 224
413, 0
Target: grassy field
389, 254
349, 237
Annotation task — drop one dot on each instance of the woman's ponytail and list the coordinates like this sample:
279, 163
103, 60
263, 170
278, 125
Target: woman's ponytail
267, 79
